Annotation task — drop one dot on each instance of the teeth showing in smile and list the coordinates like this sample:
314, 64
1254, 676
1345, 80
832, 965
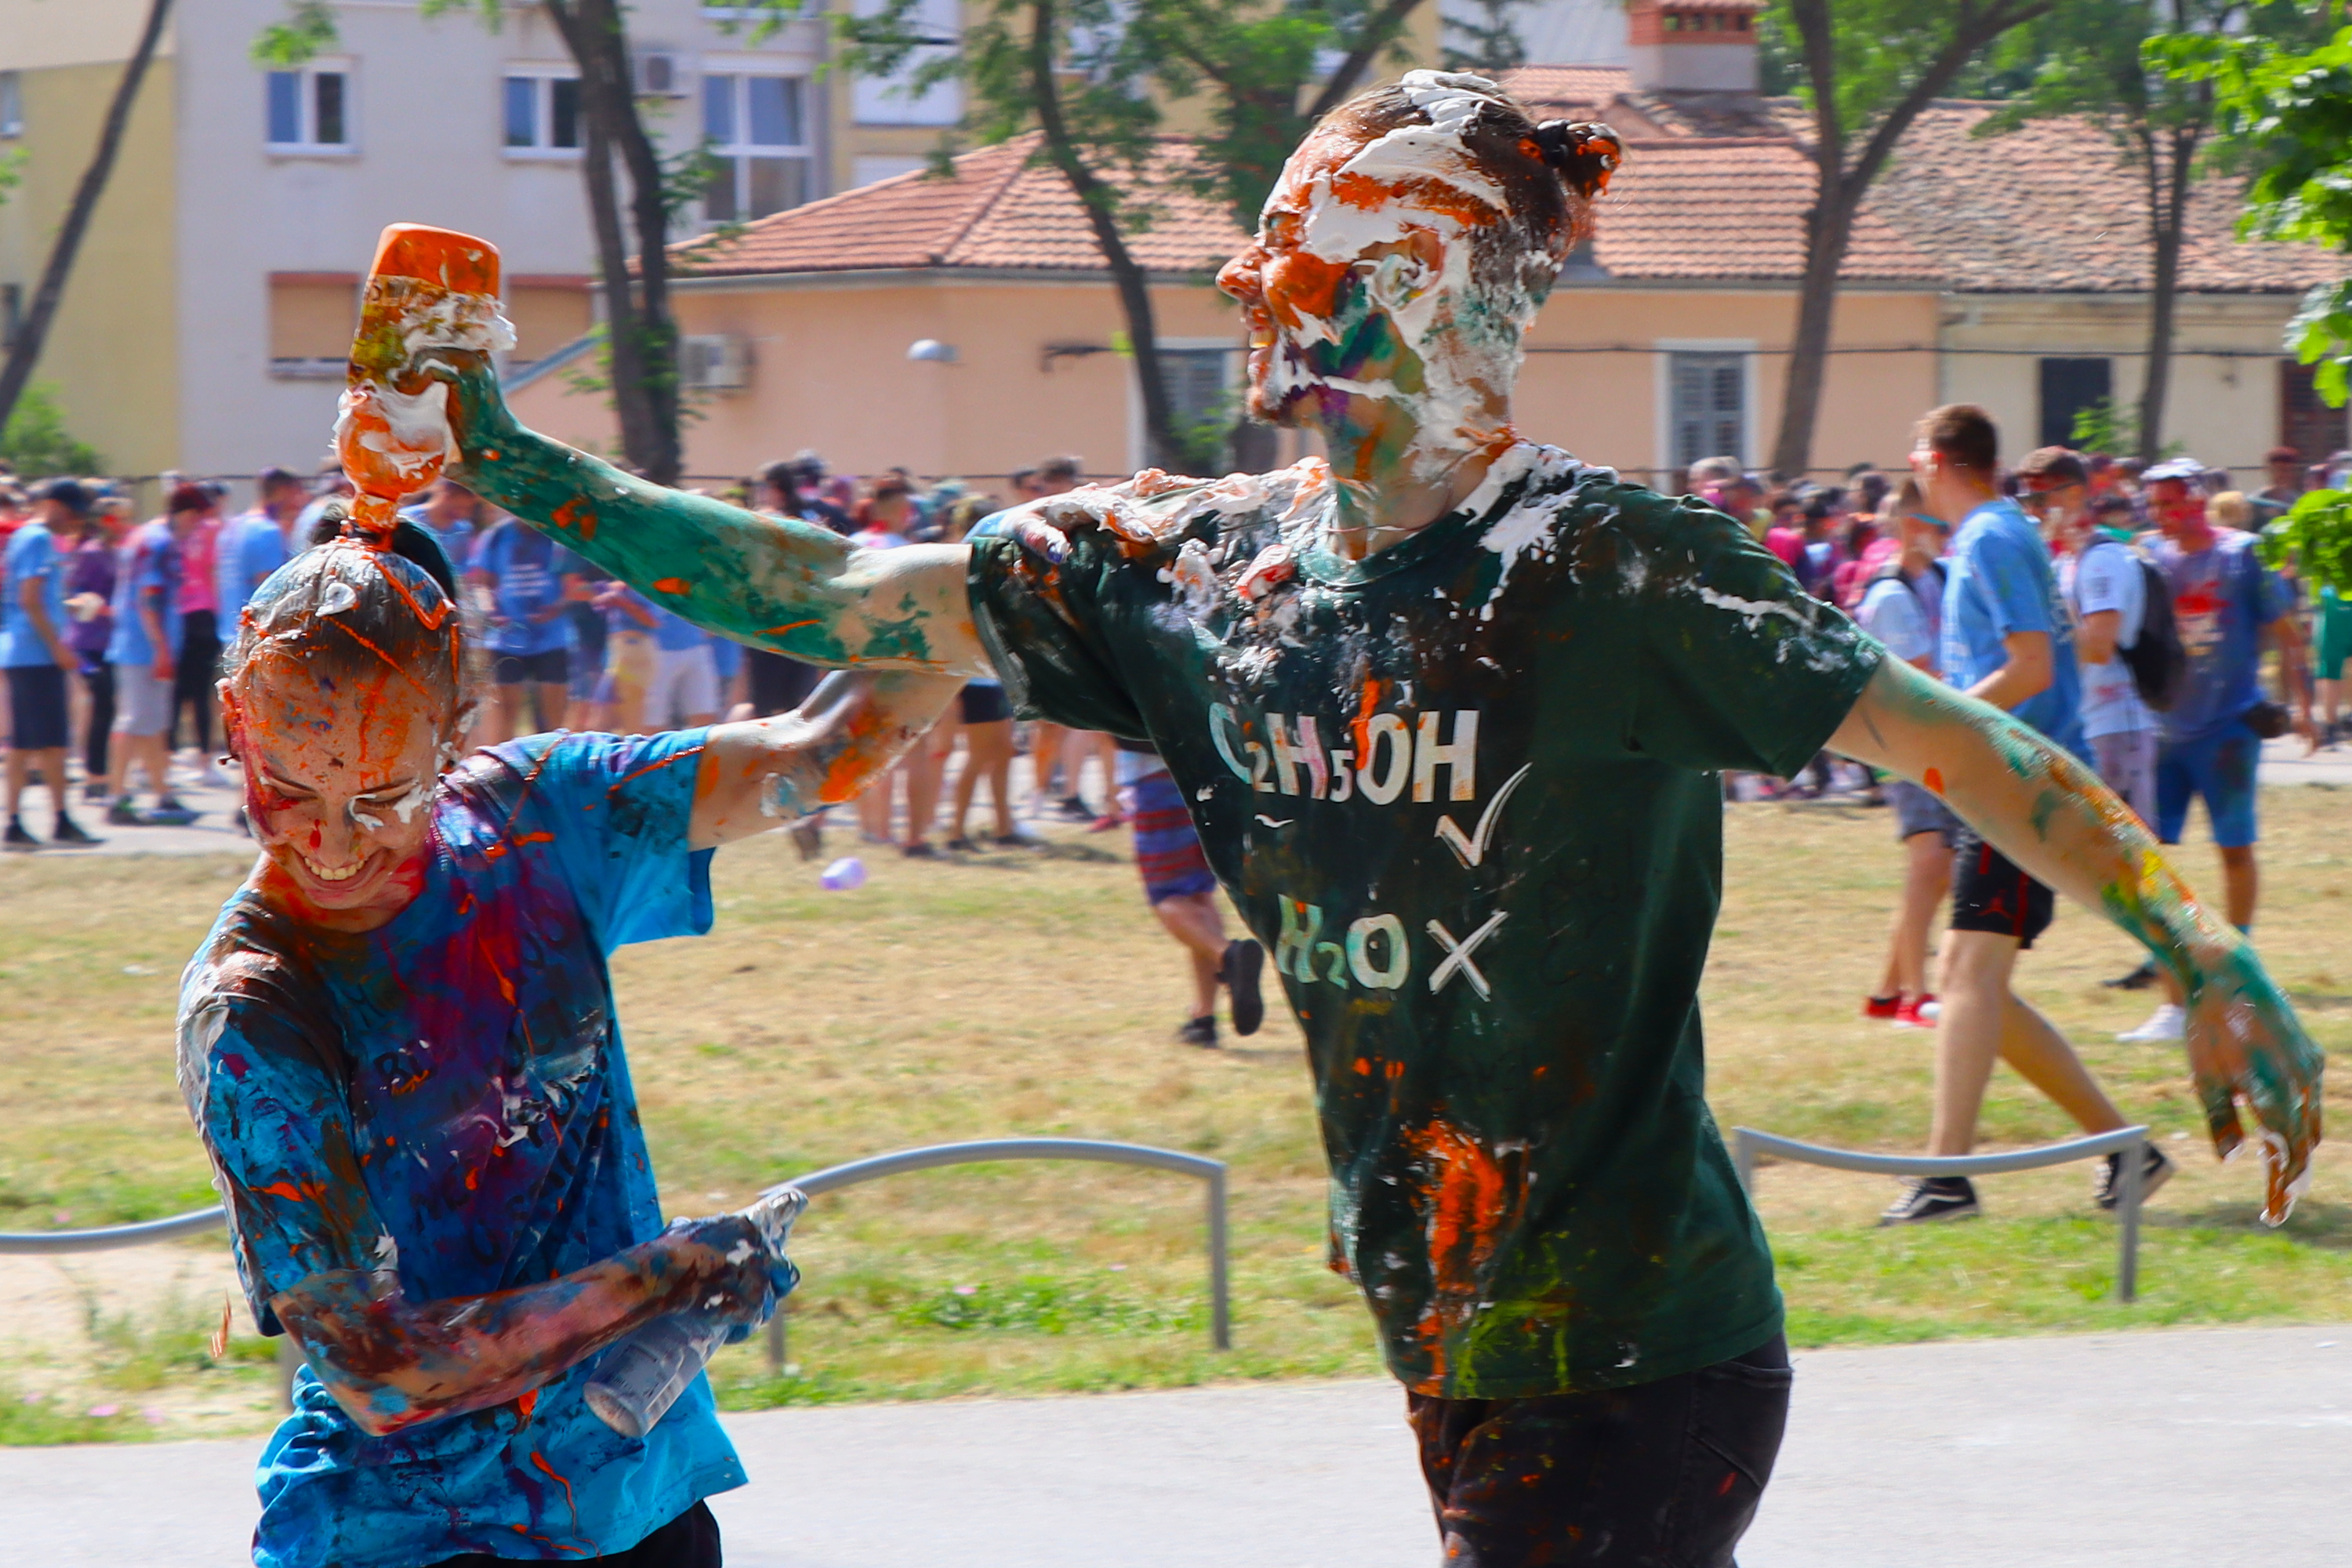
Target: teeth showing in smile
331, 873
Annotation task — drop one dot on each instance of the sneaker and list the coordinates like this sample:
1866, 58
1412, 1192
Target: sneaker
170, 812
124, 813
1882, 1006
67, 831
919, 850
1933, 1198
2139, 979
1917, 1013
1201, 1032
1105, 823
1074, 808
1238, 973
959, 844
16, 841
1018, 841
2155, 1170
95, 793
2169, 1022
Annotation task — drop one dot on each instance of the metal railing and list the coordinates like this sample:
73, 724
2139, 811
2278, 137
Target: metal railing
1746, 1143
832, 1179
1211, 1171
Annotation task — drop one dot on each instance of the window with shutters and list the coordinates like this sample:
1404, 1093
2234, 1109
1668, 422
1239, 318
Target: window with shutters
1706, 414
2070, 386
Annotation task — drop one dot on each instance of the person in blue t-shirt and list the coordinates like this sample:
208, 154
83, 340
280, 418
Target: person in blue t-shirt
146, 635
399, 1042
684, 688
531, 582
257, 542
34, 652
2005, 640
2225, 605
447, 514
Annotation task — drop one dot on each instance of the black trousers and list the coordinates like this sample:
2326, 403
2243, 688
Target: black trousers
97, 679
689, 1541
1660, 1475
192, 676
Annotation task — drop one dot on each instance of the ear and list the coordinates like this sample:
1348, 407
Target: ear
453, 734
1408, 272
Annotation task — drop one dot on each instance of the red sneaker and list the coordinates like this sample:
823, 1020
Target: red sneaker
1880, 1006
1916, 1013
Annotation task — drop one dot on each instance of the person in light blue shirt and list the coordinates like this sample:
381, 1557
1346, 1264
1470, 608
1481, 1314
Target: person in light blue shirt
2007, 640
684, 688
146, 635
447, 514
33, 651
257, 542
531, 582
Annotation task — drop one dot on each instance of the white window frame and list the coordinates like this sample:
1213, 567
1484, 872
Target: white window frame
541, 76
737, 74
884, 100
1236, 374
12, 104
306, 108
1663, 447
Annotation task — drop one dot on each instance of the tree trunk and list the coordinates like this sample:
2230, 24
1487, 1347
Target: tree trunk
1828, 227
1160, 446
2167, 218
25, 348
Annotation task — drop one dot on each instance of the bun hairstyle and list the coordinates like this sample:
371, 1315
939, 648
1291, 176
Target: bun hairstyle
350, 606
1581, 153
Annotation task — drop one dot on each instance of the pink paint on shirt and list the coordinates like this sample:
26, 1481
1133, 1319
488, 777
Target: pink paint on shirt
199, 554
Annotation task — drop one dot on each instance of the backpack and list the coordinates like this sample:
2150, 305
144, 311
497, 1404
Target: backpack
2156, 658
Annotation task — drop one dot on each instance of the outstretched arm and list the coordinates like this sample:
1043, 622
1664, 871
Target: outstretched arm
794, 587
390, 1362
771, 772
2050, 815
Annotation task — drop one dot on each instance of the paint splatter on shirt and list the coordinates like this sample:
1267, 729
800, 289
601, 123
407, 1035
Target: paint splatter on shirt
449, 1094
1464, 791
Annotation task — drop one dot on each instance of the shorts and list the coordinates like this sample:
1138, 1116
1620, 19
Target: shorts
142, 704
2126, 763
1989, 893
1167, 850
1664, 1472
1917, 811
983, 702
779, 684
689, 1541
2220, 767
2334, 639
553, 667
36, 707
686, 682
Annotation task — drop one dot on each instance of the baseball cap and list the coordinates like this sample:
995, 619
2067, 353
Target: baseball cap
70, 494
2188, 470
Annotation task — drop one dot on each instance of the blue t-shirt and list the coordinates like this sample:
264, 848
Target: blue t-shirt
2222, 597
529, 569
2000, 582
448, 1095
251, 547
456, 540
32, 553
673, 633
150, 570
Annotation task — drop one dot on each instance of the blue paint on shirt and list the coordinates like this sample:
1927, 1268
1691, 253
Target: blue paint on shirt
451, 1091
529, 569
2222, 597
148, 574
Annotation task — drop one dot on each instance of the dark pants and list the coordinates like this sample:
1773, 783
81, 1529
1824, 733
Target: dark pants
689, 1541
97, 679
192, 680
1660, 1475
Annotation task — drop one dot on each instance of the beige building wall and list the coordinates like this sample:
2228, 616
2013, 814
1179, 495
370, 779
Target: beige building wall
2223, 407
113, 352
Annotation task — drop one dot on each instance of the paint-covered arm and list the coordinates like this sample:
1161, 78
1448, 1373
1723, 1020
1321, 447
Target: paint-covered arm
2047, 812
771, 772
794, 587
390, 1362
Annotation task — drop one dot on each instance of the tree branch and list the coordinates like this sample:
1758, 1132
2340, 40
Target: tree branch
1378, 28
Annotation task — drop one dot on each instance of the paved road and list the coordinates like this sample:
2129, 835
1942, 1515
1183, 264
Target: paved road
2197, 1450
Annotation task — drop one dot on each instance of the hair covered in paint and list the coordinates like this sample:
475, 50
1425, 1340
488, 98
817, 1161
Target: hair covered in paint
350, 606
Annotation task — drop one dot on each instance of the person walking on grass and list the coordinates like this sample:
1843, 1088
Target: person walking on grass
1449, 714
33, 651
1904, 608
2227, 606
2007, 642
254, 544
146, 637
399, 1044
196, 660
1182, 893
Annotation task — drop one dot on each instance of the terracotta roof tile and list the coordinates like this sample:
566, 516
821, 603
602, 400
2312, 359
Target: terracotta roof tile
1558, 89
1731, 209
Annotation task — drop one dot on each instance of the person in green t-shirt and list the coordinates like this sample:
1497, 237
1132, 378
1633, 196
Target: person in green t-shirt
1449, 712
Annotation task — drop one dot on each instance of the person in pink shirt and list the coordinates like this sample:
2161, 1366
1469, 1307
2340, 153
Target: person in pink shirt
199, 666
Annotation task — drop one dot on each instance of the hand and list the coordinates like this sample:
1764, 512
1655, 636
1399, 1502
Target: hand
478, 410
2245, 1043
164, 670
741, 1273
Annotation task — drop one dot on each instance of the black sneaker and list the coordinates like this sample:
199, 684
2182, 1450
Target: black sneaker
16, 841
1074, 808
959, 844
95, 793
1931, 1198
124, 813
1238, 973
2139, 979
65, 830
2155, 1170
1201, 1032
919, 850
172, 812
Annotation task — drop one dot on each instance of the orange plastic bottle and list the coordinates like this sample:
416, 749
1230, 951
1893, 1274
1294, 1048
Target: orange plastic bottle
427, 287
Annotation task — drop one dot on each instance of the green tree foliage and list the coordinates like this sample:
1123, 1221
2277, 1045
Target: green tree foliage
35, 442
1489, 42
2285, 115
2315, 537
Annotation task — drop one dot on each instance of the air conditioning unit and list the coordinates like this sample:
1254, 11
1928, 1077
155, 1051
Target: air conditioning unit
661, 75
717, 361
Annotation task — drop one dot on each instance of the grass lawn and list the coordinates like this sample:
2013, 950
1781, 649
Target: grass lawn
1032, 994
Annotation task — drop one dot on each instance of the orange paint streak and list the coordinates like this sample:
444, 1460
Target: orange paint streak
578, 516
1360, 726
788, 626
1467, 1201
676, 588
539, 1461
673, 757
1934, 780
307, 1192
525, 1403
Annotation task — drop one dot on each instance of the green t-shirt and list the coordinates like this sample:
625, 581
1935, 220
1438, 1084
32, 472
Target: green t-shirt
1464, 791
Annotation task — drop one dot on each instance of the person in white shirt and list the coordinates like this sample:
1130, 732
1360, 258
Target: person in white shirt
2107, 592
